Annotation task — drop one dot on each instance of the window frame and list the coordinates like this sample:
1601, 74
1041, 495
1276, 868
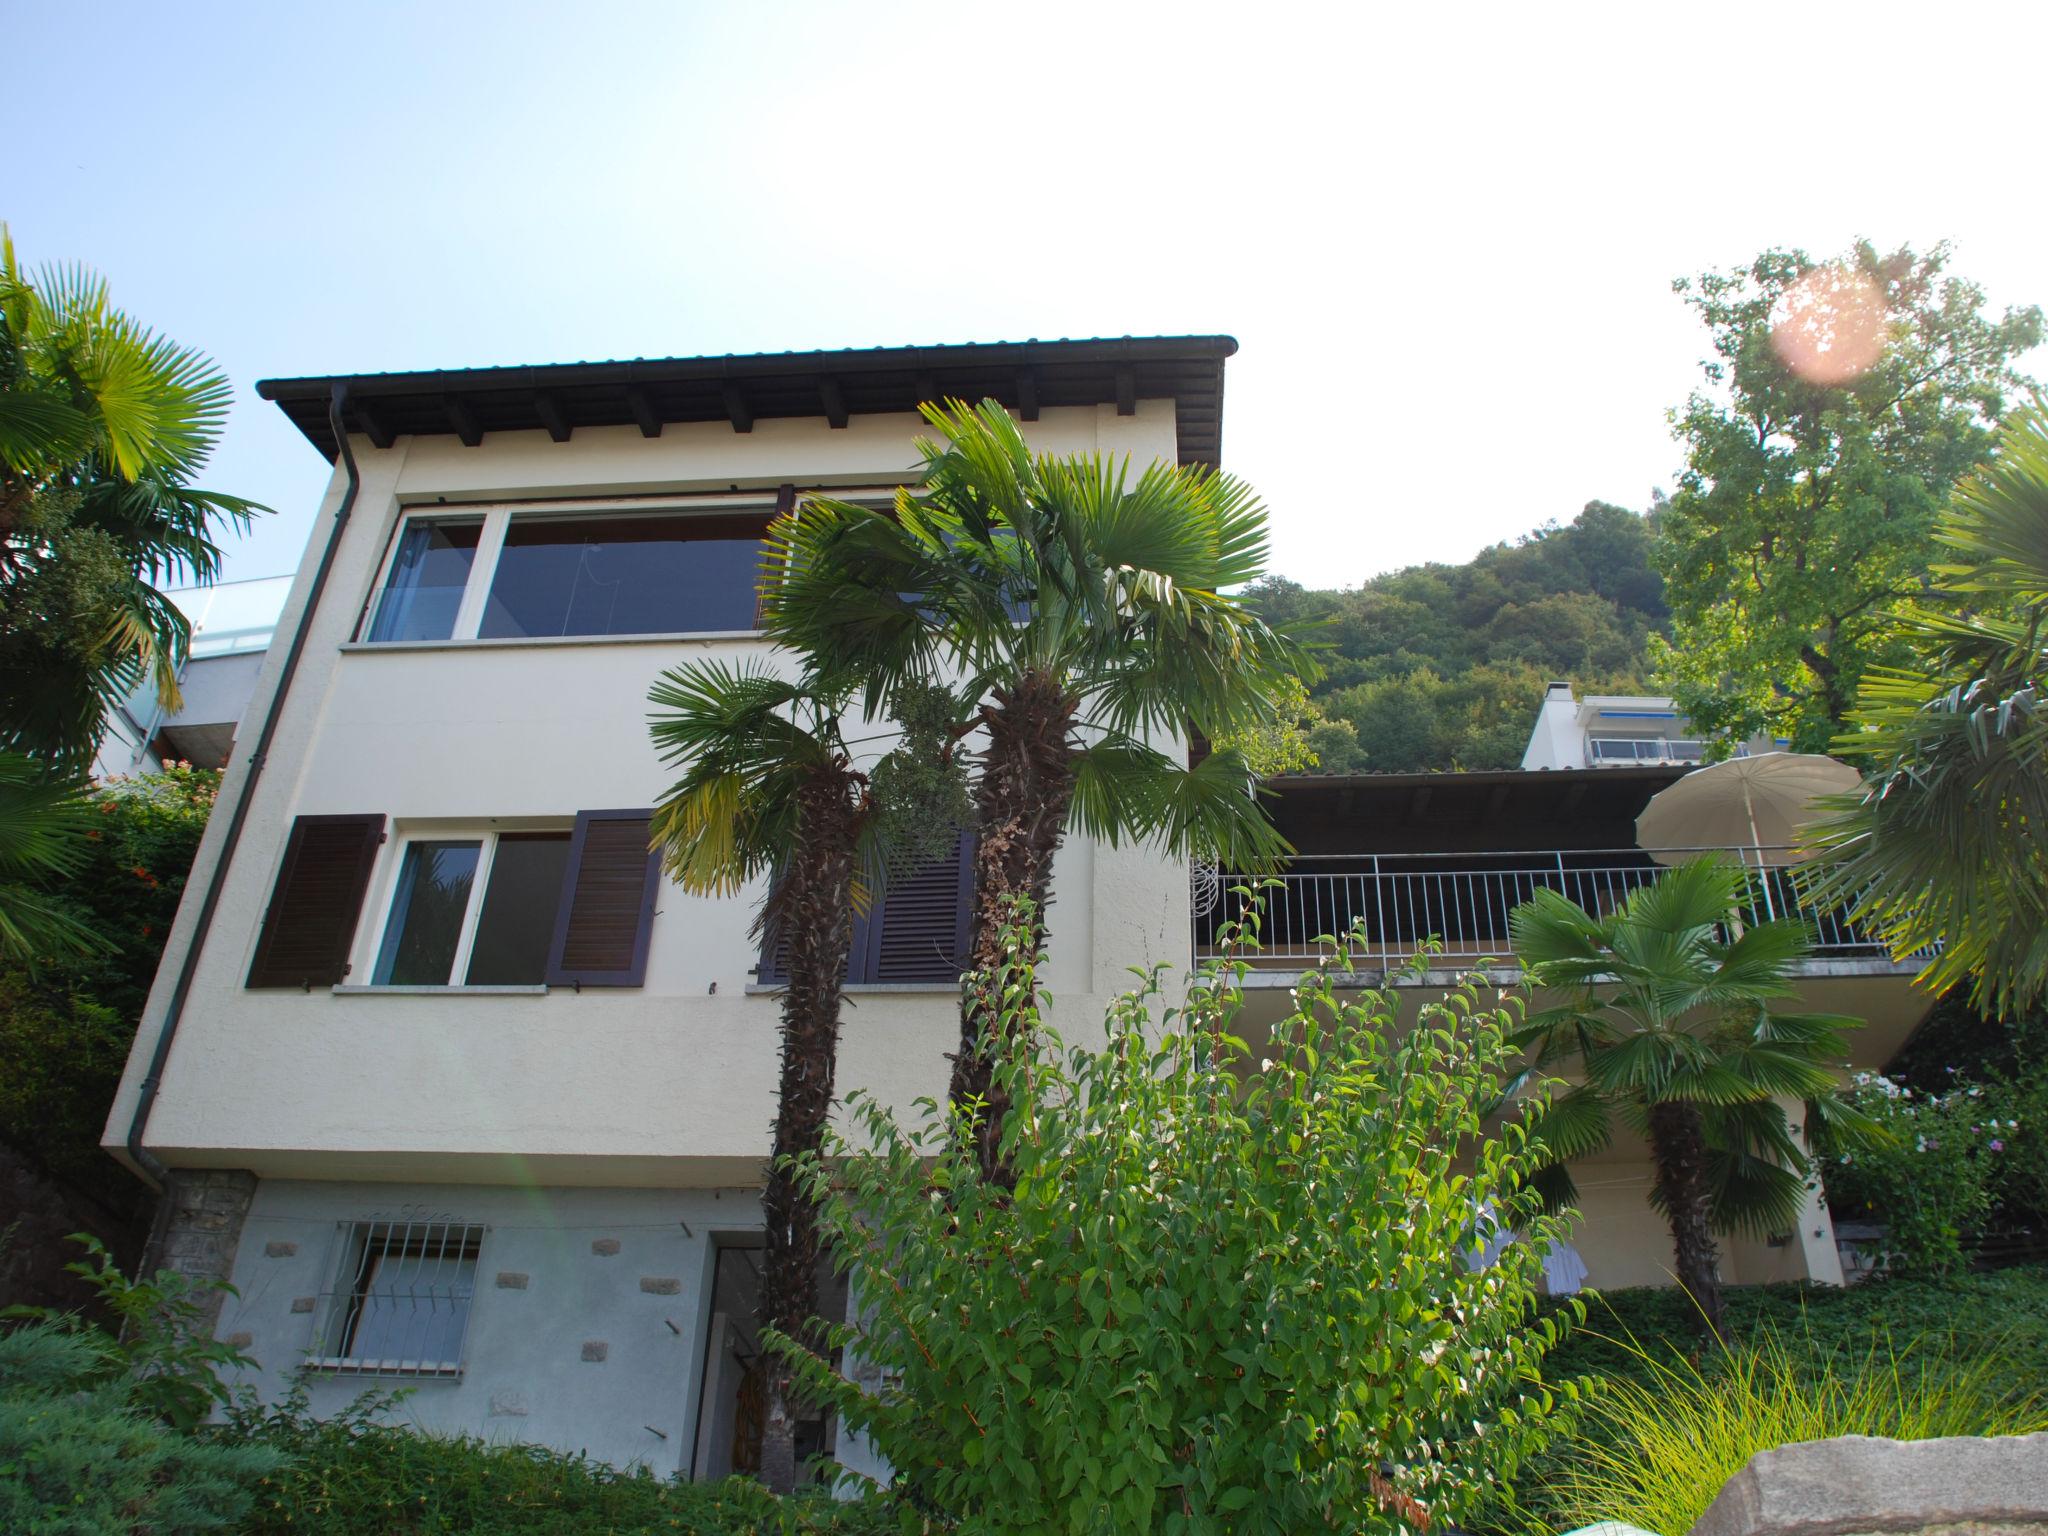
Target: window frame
385, 892
338, 1320
497, 516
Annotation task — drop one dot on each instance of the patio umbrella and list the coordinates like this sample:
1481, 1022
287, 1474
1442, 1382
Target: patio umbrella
1759, 805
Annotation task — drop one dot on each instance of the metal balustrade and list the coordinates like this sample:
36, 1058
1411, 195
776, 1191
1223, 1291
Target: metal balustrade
1628, 751
1462, 901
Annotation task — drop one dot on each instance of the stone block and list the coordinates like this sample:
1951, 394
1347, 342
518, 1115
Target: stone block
279, 1250
661, 1285
1862, 1486
303, 1303
512, 1280
508, 1404
604, 1247
595, 1350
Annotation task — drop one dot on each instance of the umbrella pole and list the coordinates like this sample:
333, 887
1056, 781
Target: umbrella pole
1756, 842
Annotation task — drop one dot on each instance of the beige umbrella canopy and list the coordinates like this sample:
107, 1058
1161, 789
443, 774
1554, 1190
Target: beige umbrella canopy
1759, 804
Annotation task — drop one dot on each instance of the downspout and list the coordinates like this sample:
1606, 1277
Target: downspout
151, 1166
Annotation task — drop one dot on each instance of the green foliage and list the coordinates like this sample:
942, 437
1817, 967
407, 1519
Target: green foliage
921, 799
1658, 1008
1443, 666
1286, 743
1070, 581
1228, 1290
1656, 1445
1940, 849
78, 1456
102, 426
1804, 516
161, 1349
1934, 1181
41, 822
353, 1475
66, 1024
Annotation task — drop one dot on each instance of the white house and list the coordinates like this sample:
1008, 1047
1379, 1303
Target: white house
438, 1069
232, 624
1615, 730
461, 1093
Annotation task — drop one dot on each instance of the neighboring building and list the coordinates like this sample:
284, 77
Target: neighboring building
1609, 730
1446, 857
232, 624
464, 1094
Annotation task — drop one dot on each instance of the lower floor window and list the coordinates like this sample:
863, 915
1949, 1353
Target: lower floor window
401, 1299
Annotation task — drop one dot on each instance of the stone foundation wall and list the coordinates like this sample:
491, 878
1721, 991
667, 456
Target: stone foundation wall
199, 1226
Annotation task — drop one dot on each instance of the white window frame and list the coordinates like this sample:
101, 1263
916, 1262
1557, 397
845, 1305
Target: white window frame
386, 889
337, 1304
497, 517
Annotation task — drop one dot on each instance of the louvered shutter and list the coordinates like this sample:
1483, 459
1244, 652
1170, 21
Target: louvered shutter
311, 923
607, 908
916, 933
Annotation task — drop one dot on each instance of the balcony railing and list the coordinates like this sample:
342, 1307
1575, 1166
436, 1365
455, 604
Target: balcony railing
1462, 901
1628, 751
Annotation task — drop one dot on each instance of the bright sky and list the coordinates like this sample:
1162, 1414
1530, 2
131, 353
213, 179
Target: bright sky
1444, 238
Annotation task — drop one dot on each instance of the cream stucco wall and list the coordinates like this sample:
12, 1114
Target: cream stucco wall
668, 1085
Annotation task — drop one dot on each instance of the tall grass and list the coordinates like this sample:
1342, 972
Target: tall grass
1654, 1447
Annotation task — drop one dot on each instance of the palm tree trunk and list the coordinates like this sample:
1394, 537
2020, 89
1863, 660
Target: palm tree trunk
814, 907
1678, 1143
1026, 786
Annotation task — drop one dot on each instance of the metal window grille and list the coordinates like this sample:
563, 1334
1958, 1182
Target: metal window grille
401, 1299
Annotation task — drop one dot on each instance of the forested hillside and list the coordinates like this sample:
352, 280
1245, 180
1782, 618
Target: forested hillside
1442, 666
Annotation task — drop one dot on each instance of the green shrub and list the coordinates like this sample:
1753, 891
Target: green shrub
1629, 1333
1228, 1291
1933, 1184
79, 1458
352, 1475
1655, 1447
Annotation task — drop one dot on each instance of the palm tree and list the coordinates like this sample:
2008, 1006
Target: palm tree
102, 426
42, 825
1939, 852
1081, 615
769, 786
1677, 1030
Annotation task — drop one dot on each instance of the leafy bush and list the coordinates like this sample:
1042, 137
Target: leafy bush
81, 1455
351, 1475
1933, 1184
1630, 1334
1228, 1292
1655, 1448
66, 1025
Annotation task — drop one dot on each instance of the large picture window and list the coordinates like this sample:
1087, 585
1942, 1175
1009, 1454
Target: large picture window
515, 573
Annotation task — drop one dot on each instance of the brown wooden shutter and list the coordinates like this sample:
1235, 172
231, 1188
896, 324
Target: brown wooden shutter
607, 909
917, 932
311, 923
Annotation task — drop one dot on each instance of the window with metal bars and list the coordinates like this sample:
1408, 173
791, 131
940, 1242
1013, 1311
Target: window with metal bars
401, 1299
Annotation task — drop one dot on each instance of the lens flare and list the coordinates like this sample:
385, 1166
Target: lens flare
1829, 326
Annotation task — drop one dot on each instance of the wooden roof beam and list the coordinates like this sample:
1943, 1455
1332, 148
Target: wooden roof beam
1126, 390
549, 410
374, 426
833, 400
641, 404
1027, 395
736, 410
462, 420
